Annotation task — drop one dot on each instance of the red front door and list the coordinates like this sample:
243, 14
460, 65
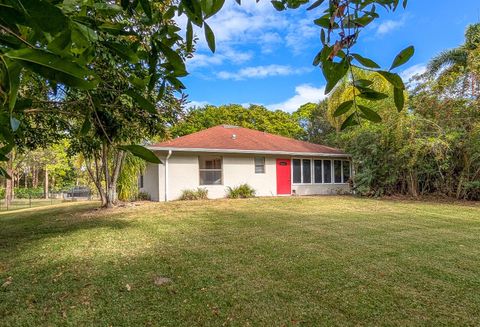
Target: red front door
284, 177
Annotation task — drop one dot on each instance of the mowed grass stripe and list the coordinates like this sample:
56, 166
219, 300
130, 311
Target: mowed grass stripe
259, 262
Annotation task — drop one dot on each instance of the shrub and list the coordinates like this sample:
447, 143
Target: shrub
143, 196
198, 194
240, 192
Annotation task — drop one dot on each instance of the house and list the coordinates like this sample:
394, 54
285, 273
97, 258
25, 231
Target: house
225, 155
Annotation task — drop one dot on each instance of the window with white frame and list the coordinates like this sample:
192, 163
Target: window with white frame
259, 165
210, 170
302, 171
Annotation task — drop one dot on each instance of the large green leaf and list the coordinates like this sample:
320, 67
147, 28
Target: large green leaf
122, 50
372, 95
141, 101
403, 57
343, 108
365, 61
54, 67
173, 57
215, 7
193, 11
44, 16
394, 79
209, 36
189, 35
370, 114
399, 99
350, 121
13, 71
333, 73
141, 152
315, 4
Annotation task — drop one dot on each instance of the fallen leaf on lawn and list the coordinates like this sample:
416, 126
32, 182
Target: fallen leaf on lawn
128, 287
159, 281
7, 282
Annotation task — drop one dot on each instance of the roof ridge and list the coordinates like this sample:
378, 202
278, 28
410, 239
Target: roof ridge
226, 136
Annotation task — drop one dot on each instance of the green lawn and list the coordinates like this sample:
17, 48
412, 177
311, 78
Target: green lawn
259, 262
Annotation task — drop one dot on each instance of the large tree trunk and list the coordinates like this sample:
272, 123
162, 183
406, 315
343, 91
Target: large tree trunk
96, 178
104, 173
111, 177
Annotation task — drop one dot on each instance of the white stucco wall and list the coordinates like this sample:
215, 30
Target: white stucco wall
237, 169
183, 173
151, 182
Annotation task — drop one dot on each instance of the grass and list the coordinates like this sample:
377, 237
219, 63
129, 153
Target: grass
27, 203
258, 262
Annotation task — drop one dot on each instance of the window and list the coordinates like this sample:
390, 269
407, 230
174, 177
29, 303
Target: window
210, 170
337, 168
259, 165
317, 169
297, 171
346, 171
306, 171
327, 171
302, 171
140, 181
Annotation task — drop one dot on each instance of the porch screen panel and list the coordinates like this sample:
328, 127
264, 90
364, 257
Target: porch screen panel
346, 171
297, 171
307, 171
337, 166
327, 171
318, 171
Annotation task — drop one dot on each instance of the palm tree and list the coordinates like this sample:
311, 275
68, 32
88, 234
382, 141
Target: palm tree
459, 67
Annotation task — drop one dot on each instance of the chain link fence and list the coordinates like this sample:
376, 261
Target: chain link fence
35, 198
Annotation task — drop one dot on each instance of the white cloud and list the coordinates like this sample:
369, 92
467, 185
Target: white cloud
388, 26
300, 33
410, 72
262, 72
253, 26
194, 103
226, 54
304, 93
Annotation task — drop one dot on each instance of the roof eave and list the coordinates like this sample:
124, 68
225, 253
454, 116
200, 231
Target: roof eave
289, 153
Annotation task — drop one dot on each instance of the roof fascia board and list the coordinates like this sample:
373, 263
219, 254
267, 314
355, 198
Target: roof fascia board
157, 148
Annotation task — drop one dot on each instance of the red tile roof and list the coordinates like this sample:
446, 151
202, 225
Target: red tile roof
225, 137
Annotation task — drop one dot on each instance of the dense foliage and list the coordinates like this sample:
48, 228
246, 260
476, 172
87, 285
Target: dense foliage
254, 116
434, 148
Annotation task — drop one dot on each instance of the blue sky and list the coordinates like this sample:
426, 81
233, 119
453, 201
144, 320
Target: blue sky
264, 56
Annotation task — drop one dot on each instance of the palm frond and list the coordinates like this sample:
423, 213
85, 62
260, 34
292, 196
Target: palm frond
447, 59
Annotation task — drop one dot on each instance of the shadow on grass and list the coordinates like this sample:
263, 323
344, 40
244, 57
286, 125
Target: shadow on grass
23, 226
246, 263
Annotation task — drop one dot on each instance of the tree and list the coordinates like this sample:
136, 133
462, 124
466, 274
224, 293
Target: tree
341, 24
256, 117
58, 41
314, 120
114, 123
458, 69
